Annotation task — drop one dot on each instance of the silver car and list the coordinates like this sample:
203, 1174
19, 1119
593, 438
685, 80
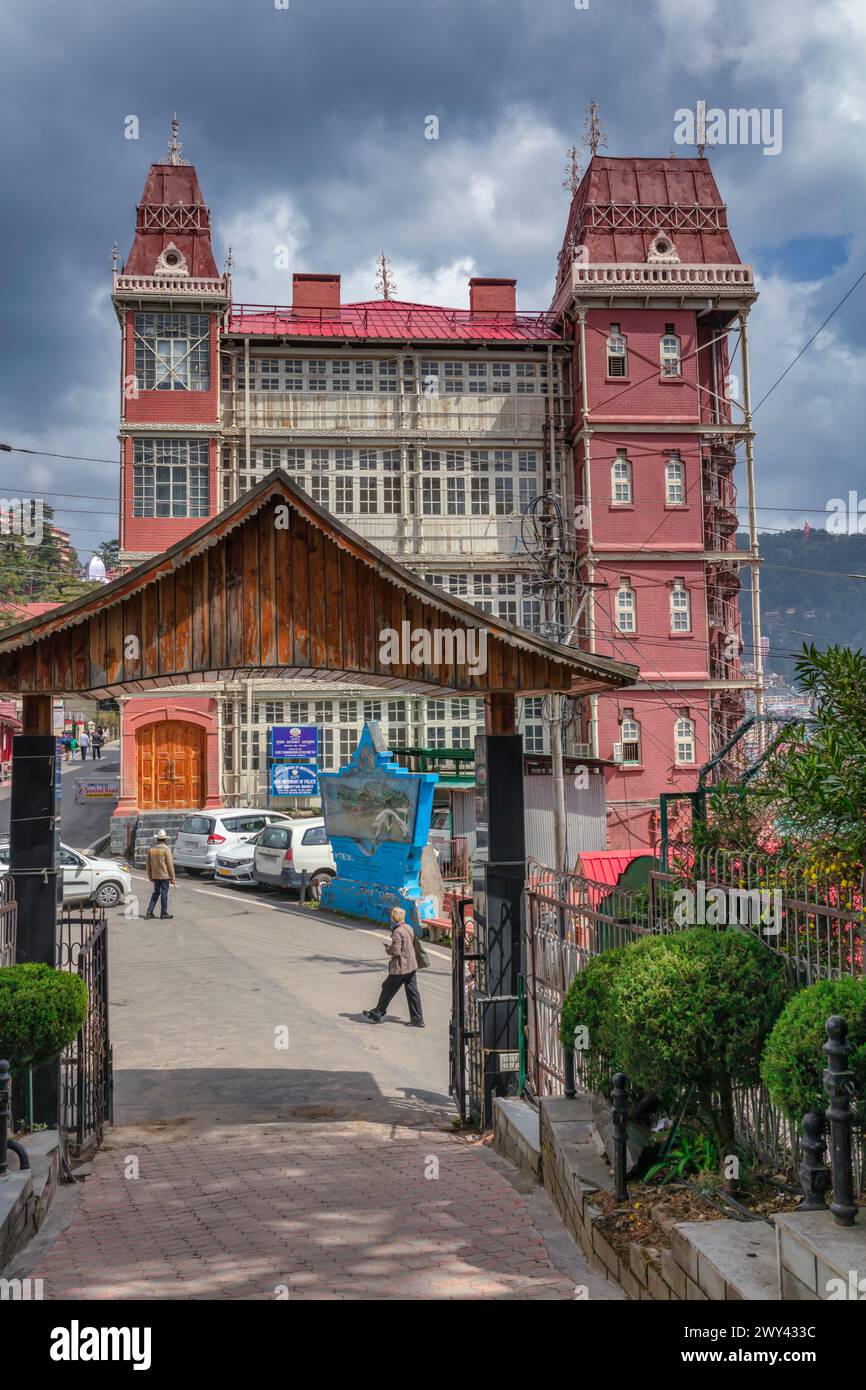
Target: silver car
209, 833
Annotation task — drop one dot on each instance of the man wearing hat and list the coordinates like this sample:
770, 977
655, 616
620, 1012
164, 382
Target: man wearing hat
160, 871
402, 968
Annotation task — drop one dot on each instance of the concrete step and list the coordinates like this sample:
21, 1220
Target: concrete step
819, 1260
728, 1259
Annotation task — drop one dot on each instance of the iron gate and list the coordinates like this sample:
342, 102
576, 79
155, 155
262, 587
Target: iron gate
86, 1080
568, 920
464, 1040
8, 920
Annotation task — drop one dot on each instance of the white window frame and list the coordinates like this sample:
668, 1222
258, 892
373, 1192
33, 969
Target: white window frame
684, 741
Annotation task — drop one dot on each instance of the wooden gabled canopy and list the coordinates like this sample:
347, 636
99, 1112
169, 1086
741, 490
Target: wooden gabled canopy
277, 587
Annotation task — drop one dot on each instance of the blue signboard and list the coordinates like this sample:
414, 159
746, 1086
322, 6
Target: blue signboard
293, 779
295, 741
377, 815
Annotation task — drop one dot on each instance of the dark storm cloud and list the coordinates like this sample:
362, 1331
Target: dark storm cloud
310, 119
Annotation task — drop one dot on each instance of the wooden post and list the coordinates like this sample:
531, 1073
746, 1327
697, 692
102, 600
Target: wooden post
500, 714
37, 715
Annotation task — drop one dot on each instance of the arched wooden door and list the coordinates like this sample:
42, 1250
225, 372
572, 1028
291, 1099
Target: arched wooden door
170, 761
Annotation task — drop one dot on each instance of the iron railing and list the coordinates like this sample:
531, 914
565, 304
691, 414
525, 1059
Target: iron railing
570, 919
86, 1077
8, 920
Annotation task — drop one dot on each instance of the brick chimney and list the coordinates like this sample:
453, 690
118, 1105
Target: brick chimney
316, 294
488, 296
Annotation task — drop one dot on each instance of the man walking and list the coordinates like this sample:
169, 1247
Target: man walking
98, 740
84, 744
160, 871
402, 969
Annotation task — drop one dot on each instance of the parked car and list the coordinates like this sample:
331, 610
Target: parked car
86, 879
283, 852
235, 865
209, 833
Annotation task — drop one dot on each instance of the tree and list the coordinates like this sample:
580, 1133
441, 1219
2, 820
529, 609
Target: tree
817, 780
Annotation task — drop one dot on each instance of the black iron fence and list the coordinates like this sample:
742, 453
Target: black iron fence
809, 914
86, 1086
8, 920
568, 919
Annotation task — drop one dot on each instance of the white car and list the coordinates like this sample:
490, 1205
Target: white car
209, 833
85, 879
235, 865
282, 853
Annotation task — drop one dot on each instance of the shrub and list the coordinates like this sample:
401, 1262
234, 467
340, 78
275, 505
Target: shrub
694, 1008
793, 1062
586, 1003
41, 1010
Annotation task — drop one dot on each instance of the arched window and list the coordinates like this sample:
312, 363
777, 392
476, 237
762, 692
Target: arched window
620, 479
626, 614
670, 353
630, 735
617, 361
684, 740
675, 482
681, 608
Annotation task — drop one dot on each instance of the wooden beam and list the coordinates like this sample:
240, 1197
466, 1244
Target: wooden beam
37, 714
500, 714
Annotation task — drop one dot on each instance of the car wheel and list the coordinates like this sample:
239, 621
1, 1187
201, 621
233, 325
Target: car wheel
108, 895
317, 883
194, 873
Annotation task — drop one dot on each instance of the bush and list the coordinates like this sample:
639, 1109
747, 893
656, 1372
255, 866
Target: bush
586, 1005
793, 1063
694, 1008
41, 1010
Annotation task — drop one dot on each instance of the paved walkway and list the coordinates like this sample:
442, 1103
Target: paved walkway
306, 1211
271, 1143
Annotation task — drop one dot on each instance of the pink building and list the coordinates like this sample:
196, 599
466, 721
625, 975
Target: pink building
650, 289
431, 431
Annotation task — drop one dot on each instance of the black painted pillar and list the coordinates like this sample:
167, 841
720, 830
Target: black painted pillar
34, 844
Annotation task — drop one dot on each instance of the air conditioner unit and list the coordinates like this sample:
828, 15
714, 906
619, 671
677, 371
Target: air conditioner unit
617, 752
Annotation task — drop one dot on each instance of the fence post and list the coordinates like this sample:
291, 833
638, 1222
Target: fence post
839, 1084
619, 1115
814, 1173
570, 1086
5, 1098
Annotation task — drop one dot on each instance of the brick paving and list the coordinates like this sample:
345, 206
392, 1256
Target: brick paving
300, 1211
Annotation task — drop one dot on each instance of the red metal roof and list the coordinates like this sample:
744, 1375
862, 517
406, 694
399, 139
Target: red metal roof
391, 318
621, 204
605, 866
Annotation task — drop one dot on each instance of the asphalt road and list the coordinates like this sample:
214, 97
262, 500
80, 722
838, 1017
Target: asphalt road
247, 1008
80, 825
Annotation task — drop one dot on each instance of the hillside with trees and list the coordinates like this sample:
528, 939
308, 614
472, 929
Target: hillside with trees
803, 597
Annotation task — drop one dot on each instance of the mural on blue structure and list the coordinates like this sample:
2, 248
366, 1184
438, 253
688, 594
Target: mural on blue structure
377, 817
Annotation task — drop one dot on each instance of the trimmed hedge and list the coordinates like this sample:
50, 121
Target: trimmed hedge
692, 1008
41, 1010
793, 1063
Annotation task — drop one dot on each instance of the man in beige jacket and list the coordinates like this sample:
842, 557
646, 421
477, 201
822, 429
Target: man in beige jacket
160, 871
402, 969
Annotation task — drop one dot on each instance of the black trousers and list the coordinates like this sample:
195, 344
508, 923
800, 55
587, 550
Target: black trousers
392, 985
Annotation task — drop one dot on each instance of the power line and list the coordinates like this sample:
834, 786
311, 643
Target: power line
810, 342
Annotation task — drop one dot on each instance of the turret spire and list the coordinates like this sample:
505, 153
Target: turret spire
174, 145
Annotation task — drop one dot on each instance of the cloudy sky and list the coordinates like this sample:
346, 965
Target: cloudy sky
306, 122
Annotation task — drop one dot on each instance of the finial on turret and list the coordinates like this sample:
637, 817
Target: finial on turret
174, 145
593, 130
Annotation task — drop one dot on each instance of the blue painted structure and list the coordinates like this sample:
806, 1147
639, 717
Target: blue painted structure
377, 816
